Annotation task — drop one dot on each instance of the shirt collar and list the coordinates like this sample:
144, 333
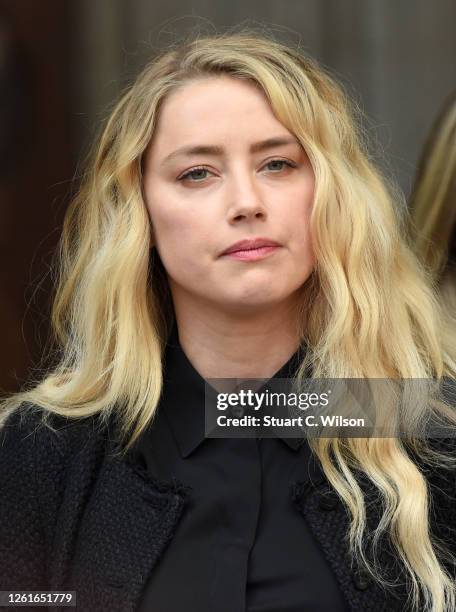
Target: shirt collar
184, 394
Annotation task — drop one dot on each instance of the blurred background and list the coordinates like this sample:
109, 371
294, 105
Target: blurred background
63, 62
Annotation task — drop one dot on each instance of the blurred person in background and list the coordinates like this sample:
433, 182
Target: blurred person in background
433, 207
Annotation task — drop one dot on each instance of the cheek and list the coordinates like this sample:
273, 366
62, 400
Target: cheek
299, 208
308, 191
168, 218
298, 195
182, 237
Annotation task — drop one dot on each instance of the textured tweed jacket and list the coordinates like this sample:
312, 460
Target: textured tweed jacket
73, 516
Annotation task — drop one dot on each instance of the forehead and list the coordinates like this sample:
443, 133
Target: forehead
221, 107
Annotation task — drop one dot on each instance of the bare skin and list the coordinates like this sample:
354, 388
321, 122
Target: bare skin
235, 318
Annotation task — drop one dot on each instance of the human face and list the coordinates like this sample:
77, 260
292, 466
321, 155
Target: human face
201, 203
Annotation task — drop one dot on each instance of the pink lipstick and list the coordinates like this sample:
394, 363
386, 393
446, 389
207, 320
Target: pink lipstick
251, 249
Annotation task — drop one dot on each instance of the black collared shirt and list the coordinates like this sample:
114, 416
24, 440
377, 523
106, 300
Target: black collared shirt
241, 545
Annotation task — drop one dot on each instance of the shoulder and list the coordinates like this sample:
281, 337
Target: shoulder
32, 434
442, 477
449, 389
41, 455
441, 481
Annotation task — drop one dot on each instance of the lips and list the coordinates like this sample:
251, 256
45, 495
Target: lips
250, 244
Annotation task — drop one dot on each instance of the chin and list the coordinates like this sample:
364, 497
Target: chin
251, 300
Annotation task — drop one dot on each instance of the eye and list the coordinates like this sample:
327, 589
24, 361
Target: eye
193, 172
281, 161
199, 170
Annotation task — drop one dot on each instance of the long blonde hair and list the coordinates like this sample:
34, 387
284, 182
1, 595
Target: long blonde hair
370, 309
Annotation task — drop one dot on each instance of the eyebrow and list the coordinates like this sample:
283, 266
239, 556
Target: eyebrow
217, 150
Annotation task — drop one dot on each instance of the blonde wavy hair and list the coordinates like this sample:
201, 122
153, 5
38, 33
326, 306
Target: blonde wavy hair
368, 310
433, 207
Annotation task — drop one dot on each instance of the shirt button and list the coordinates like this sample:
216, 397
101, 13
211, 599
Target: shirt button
361, 579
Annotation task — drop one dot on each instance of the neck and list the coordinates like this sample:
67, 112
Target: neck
237, 345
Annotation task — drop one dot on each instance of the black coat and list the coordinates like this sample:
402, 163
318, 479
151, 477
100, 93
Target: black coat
75, 517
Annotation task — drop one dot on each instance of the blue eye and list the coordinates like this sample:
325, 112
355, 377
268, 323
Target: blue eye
192, 173
281, 161
202, 169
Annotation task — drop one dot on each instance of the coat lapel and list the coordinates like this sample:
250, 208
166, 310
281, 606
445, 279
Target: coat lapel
123, 527
327, 518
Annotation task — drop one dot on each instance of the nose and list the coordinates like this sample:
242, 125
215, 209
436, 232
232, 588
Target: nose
246, 202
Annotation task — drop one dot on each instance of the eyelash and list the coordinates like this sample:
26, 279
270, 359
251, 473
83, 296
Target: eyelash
189, 172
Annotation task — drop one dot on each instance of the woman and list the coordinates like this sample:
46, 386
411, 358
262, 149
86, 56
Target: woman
230, 226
